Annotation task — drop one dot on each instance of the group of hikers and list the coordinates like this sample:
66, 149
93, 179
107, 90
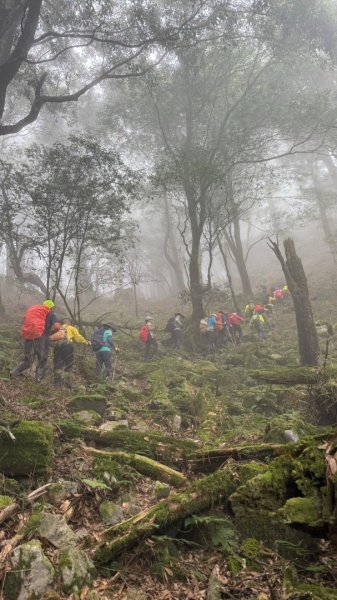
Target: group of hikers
42, 329
220, 327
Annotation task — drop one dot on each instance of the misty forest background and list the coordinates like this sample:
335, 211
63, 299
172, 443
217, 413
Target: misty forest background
149, 150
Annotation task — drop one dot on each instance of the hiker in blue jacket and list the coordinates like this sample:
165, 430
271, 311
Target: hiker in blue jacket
103, 355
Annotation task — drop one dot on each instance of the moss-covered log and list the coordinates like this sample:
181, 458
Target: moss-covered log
155, 445
199, 496
210, 460
31, 452
293, 375
144, 465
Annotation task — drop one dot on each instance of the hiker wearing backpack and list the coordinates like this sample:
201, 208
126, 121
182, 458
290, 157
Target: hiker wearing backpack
257, 323
177, 332
221, 328
146, 335
234, 321
63, 343
102, 344
279, 296
210, 333
37, 325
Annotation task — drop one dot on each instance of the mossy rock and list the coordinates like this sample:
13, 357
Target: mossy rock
290, 543
251, 469
70, 429
276, 427
76, 570
88, 417
31, 575
95, 402
306, 511
30, 454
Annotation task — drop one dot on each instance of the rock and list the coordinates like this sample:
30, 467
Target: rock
113, 415
81, 534
176, 423
95, 402
111, 513
113, 425
70, 486
32, 573
291, 436
55, 529
161, 490
56, 493
22, 457
76, 569
276, 357
135, 594
88, 417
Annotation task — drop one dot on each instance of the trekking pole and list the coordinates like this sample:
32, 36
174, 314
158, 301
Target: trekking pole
114, 369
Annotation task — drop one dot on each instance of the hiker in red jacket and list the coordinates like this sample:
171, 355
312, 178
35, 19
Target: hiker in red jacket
37, 324
234, 321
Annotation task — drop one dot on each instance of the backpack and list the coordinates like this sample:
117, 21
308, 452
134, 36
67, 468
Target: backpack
219, 324
97, 339
170, 325
144, 334
34, 322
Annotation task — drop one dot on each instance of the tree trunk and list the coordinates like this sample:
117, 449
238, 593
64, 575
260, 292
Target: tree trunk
297, 283
330, 237
2, 306
170, 249
235, 244
229, 277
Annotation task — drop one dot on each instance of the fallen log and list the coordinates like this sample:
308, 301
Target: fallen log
199, 496
209, 461
293, 375
154, 445
144, 465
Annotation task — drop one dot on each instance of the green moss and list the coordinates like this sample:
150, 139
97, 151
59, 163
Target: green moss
251, 548
250, 470
70, 429
5, 501
34, 522
306, 511
31, 454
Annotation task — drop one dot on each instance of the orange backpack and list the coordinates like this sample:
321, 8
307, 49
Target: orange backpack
144, 334
34, 322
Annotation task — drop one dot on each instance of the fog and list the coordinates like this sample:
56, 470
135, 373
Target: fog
154, 165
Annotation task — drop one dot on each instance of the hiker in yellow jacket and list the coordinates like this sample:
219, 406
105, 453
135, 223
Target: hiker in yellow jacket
63, 341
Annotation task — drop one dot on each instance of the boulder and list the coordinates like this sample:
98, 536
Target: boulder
111, 513
161, 490
31, 453
32, 573
76, 569
88, 417
55, 529
95, 402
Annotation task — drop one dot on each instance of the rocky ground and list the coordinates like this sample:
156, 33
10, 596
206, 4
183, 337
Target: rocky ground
187, 477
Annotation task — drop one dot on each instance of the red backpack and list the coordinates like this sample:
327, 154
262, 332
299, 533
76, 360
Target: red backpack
34, 322
144, 334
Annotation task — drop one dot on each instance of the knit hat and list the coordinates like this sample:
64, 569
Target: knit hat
49, 303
